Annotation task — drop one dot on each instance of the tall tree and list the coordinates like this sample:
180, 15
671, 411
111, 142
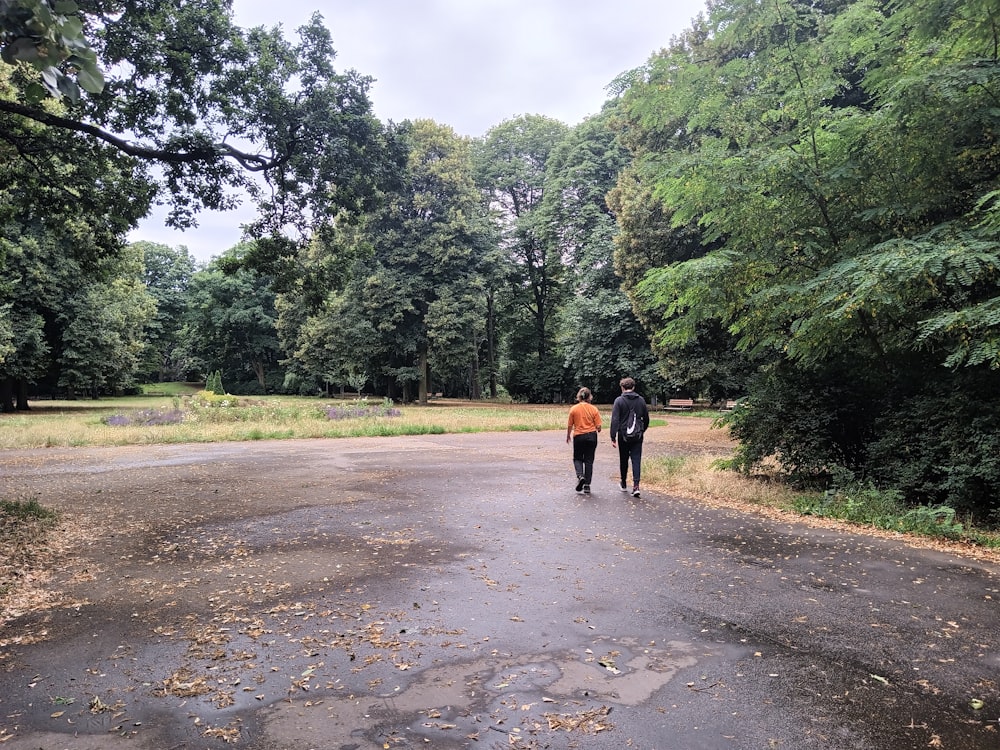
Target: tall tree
102, 340
166, 273
839, 162
396, 298
511, 167
599, 337
191, 106
229, 325
422, 285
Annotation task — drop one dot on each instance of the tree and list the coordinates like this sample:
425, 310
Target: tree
838, 161
510, 168
102, 342
49, 36
229, 325
191, 104
48, 286
397, 296
599, 337
421, 285
166, 272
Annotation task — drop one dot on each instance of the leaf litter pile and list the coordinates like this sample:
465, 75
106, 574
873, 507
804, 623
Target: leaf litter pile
33, 543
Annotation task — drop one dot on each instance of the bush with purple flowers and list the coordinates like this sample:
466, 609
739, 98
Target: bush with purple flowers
362, 410
145, 418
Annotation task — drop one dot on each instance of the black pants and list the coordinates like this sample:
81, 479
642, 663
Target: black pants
584, 448
630, 452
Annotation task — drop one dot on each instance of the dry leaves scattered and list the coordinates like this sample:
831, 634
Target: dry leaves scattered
30, 554
588, 722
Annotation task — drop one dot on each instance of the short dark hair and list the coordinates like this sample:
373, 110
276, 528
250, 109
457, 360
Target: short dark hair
627, 384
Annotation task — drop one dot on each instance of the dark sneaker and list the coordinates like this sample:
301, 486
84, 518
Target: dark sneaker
624, 487
586, 489
580, 481
635, 491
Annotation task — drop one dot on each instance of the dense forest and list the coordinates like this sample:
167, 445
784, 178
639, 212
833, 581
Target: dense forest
793, 204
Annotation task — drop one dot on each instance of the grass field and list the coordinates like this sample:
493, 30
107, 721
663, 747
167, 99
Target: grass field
84, 423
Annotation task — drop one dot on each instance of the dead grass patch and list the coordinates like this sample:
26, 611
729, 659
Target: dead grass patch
697, 478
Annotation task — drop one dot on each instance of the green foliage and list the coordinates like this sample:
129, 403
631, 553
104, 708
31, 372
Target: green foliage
229, 322
810, 422
837, 165
209, 399
597, 332
940, 442
182, 85
883, 509
166, 273
411, 296
14, 512
49, 36
511, 167
213, 383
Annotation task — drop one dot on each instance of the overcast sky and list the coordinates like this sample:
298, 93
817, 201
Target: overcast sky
470, 64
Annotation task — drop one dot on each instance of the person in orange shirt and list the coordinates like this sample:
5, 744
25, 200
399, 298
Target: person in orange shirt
582, 428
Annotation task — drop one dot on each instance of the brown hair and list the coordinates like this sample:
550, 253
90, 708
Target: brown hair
584, 394
627, 384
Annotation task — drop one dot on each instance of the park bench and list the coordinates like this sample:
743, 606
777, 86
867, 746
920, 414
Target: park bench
728, 406
680, 404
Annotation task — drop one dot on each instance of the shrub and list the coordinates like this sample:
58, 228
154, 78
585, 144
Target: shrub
145, 418
214, 383
810, 422
940, 444
361, 409
208, 399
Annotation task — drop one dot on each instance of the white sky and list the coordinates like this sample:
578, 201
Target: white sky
470, 64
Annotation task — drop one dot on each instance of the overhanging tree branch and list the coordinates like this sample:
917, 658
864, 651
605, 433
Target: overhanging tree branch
208, 153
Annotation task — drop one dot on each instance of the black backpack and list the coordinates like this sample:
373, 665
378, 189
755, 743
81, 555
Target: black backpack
633, 426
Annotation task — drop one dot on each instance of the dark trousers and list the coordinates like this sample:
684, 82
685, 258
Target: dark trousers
584, 448
630, 452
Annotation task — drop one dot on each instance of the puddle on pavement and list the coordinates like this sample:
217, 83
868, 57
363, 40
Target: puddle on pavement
481, 700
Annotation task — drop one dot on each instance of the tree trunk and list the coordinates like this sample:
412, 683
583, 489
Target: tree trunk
490, 343
258, 370
21, 395
7, 396
422, 388
475, 392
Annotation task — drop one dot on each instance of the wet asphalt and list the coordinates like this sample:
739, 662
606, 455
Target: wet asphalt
455, 592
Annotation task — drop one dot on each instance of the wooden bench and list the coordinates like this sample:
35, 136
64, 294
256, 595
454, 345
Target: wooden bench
680, 404
728, 406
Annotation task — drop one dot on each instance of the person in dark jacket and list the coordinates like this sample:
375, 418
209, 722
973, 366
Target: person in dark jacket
627, 433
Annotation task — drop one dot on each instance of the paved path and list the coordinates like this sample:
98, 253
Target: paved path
454, 592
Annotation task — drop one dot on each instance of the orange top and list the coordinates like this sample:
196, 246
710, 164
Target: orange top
583, 418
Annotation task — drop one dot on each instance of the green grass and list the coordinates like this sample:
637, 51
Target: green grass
84, 423
887, 510
859, 504
20, 511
